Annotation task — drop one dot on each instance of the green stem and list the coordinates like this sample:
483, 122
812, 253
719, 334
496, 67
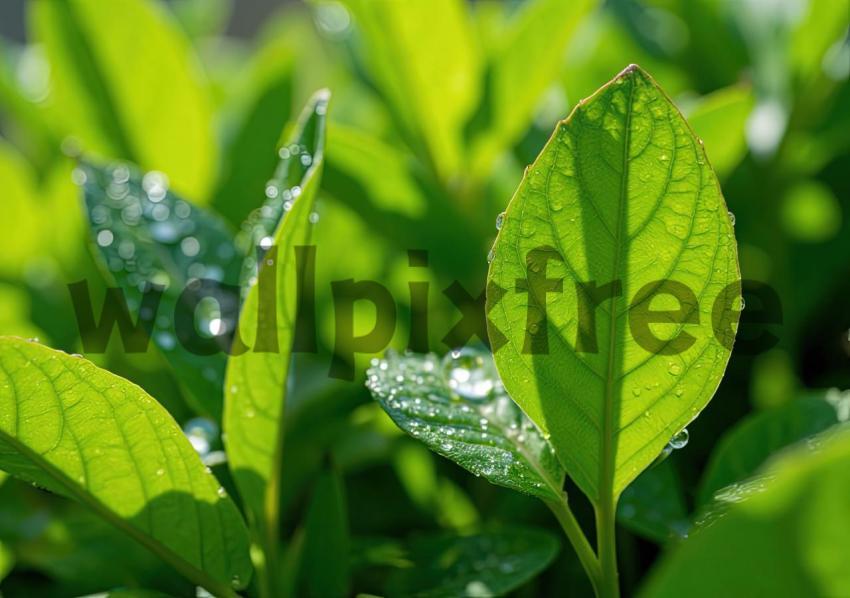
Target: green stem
574, 533
606, 543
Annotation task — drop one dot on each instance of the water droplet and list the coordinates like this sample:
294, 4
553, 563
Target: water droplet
636, 391
680, 440
469, 372
500, 220
675, 369
271, 190
491, 255
155, 185
105, 238
190, 246
314, 217
732, 218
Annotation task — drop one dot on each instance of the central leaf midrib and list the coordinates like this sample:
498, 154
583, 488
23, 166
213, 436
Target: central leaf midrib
606, 464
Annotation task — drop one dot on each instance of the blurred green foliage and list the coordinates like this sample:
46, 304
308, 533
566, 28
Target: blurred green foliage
438, 107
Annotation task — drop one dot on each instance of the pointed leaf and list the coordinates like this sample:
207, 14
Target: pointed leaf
89, 435
146, 235
744, 448
487, 435
255, 386
622, 195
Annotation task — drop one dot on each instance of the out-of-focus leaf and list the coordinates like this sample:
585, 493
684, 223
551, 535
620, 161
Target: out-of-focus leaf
353, 154
486, 433
720, 120
653, 505
822, 25
792, 523
202, 18
491, 563
255, 386
7, 561
253, 133
21, 223
15, 313
146, 235
422, 57
622, 192
527, 59
751, 442
126, 83
89, 435
326, 552
810, 212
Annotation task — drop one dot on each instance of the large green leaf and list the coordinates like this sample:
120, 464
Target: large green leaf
749, 444
255, 386
791, 526
422, 57
481, 429
87, 434
126, 83
492, 563
622, 193
147, 235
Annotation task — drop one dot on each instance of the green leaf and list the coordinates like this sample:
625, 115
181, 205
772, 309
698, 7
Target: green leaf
720, 119
89, 435
527, 59
422, 57
326, 552
255, 387
654, 506
147, 235
622, 192
792, 523
492, 563
7, 561
127, 84
744, 448
20, 226
483, 432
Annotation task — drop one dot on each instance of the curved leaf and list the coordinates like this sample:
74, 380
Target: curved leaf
146, 235
126, 82
255, 386
89, 435
489, 437
751, 442
621, 195
793, 525
491, 563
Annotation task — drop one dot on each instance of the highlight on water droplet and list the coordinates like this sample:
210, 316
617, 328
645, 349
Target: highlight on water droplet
469, 372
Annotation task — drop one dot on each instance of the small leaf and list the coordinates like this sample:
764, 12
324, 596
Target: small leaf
744, 448
720, 119
793, 524
621, 195
255, 387
653, 505
146, 235
485, 433
487, 564
89, 435
126, 83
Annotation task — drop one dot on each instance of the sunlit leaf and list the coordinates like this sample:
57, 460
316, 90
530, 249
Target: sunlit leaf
127, 84
477, 425
622, 192
146, 235
255, 386
742, 450
492, 563
422, 57
20, 225
792, 524
89, 435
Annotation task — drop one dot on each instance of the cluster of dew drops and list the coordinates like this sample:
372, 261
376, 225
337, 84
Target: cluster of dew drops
455, 400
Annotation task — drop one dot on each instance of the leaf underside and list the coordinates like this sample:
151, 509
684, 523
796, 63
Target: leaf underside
621, 192
92, 436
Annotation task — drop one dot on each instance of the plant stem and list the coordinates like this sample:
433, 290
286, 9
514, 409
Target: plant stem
561, 510
606, 543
